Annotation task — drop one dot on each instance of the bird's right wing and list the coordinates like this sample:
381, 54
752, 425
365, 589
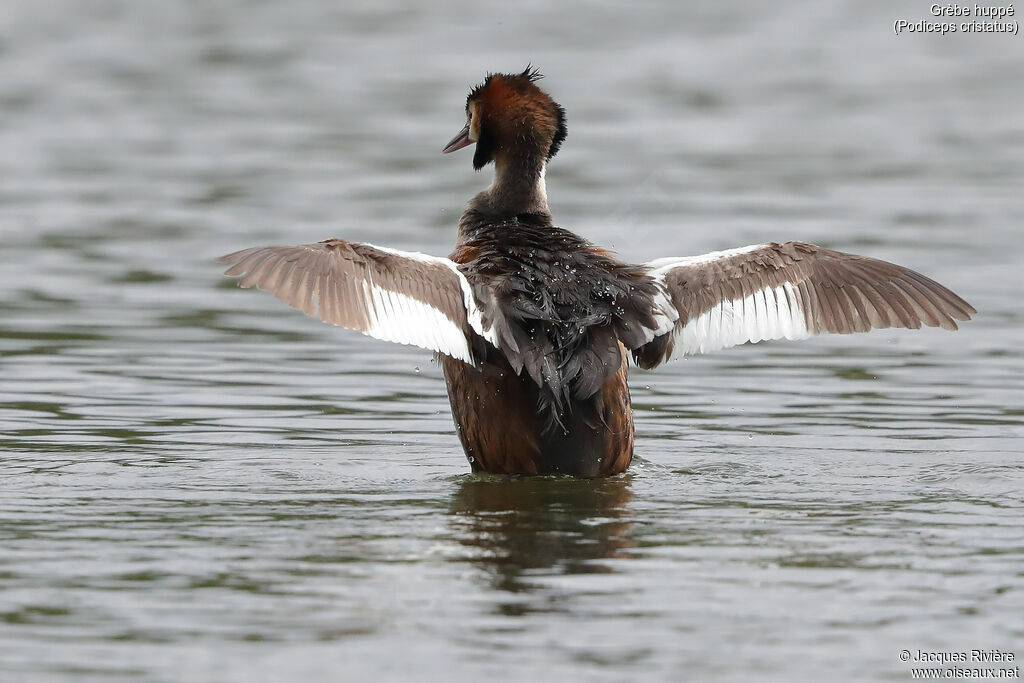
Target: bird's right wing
793, 291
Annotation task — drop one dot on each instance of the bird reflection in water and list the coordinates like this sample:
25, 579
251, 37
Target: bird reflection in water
521, 529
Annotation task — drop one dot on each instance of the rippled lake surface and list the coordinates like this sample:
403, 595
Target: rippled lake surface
198, 483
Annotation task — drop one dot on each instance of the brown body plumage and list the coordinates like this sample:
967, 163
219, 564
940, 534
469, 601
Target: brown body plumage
502, 430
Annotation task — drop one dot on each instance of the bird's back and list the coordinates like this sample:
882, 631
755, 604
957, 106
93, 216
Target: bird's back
563, 308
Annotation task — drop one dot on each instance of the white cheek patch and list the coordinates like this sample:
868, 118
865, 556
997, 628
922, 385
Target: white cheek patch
474, 123
771, 313
396, 317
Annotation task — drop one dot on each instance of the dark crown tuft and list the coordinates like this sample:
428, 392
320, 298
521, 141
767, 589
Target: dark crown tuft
532, 73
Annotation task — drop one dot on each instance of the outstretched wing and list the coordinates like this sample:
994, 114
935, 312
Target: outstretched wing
792, 291
396, 296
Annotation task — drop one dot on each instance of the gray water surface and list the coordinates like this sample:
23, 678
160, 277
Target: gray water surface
198, 483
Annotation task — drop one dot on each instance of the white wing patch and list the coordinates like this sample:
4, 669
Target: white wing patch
399, 318
665, 314
771, 313
474, 316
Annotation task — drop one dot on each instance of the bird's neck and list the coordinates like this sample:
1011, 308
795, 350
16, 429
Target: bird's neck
518, 187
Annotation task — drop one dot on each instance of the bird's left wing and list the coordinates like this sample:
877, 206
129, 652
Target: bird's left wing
396, 296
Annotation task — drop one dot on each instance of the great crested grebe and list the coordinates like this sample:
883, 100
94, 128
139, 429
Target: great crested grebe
533, 324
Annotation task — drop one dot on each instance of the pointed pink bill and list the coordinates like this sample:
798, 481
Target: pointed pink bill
459, 141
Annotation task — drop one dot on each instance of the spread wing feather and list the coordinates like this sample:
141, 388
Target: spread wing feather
790, 291
403, 297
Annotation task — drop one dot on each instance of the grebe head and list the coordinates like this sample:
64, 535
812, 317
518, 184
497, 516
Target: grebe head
508, 115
